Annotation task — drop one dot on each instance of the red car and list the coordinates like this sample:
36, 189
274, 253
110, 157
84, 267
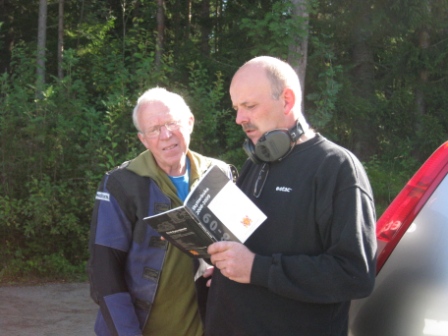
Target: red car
410, 297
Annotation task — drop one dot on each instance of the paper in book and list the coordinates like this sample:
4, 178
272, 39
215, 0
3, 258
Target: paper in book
215, 210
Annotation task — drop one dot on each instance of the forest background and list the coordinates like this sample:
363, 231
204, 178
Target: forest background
71, 71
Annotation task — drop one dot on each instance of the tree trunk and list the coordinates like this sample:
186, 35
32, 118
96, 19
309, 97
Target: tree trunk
217, 25
61, 40
178, 27
7, 24
363, 76
423, 41
298, 51
81, 19
124, 8
160, 34
189, 15
41, 44
205, 27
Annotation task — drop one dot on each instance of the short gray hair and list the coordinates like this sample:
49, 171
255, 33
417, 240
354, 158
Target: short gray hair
172, 100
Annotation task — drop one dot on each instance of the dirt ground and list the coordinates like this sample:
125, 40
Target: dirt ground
47, 310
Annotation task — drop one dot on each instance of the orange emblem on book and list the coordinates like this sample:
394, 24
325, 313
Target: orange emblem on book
246, 221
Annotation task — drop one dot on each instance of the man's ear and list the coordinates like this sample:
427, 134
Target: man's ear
190, 123
142, 139
289, 99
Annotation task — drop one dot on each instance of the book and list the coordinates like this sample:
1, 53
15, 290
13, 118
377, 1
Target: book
215, 210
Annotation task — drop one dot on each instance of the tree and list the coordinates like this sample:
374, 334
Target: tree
160, 33
363, 79
298, 49
206, 27
41, 46
376, 79
60, 39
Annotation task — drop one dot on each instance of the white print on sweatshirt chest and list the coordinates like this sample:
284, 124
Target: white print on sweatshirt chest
283, 189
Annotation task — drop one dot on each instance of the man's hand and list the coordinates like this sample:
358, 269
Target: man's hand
233, 259
208, 274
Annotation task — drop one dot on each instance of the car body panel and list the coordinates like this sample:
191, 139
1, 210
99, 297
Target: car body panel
410, 297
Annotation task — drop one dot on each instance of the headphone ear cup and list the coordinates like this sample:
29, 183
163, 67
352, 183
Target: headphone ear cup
248, 147
273, 146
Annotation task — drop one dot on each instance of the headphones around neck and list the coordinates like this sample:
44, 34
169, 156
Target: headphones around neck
273, 145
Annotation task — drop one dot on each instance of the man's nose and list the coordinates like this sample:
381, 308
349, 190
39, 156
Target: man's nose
165, 133
241, 117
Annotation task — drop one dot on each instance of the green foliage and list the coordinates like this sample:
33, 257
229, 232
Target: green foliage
326, 87
54, 150
388, 176
276, 31
120, 136
216, 133
204, 100
234, 136
41, 234
44, 267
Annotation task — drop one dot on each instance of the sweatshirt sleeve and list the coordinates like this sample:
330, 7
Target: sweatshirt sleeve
345, 269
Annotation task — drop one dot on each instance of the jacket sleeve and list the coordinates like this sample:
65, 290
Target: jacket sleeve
110, 241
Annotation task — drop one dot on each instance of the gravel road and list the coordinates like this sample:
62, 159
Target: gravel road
47, 310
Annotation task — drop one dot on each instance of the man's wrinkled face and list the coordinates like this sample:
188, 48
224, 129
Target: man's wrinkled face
165, 133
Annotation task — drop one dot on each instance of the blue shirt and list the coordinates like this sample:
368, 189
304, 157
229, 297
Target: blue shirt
182, 183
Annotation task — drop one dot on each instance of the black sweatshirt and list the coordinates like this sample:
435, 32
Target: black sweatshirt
314, 253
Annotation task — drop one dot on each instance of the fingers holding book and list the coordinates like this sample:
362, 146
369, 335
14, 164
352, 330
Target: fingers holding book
234, 260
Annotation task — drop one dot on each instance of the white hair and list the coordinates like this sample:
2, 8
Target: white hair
173, 101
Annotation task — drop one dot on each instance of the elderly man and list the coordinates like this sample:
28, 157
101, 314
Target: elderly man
142, 284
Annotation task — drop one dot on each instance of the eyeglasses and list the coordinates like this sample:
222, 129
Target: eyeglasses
261, 179
154, 131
